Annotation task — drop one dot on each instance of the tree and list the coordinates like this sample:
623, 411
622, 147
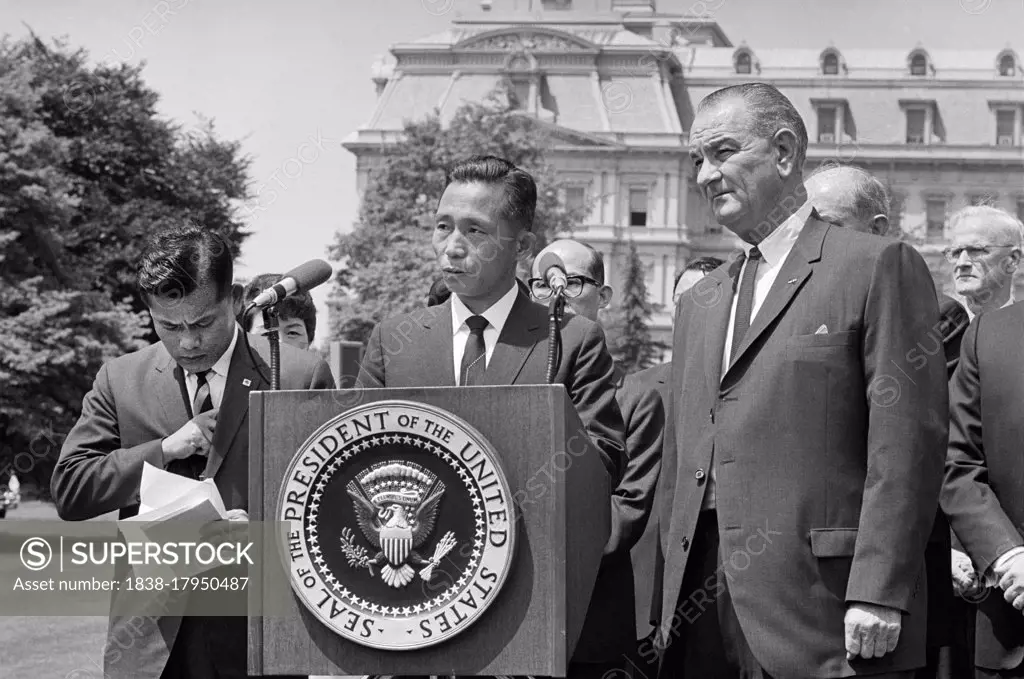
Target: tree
629, 336
389, 263
87, 170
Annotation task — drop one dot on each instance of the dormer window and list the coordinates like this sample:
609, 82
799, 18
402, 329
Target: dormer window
919, 65
830, 64
1007, 65
743, 63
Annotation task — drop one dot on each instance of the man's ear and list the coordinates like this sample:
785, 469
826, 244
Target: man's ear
785, 143
236, 298
605, 295
525, 242
880, 225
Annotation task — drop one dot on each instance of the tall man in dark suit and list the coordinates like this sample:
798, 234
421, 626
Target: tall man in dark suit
488, 331
608, 639
850, 197
809, 449
181, 405
983, 495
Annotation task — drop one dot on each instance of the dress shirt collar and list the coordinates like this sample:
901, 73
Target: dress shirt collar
224, 362
776, 246
496, 314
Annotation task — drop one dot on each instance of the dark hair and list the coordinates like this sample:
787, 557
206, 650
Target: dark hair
439, 293
299, 305
703, 264
520, 189
769, 111
180, 259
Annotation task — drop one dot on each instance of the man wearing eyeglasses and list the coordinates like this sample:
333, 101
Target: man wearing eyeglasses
609, 633
985, 254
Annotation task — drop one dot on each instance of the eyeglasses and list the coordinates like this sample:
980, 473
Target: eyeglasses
573, 286
973, 251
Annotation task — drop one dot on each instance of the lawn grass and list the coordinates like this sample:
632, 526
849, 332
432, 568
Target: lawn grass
50, 647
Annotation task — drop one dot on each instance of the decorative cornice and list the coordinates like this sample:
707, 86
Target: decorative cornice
520, 40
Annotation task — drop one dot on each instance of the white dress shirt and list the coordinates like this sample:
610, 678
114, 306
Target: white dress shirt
496, 316
217, 378
775, 248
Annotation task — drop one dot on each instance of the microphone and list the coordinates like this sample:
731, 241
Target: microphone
552, 268
302, 278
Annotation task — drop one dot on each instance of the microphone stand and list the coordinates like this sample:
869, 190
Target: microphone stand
271, 325
555, 309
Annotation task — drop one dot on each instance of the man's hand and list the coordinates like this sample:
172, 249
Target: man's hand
192, 439
1011, 581
871, 631
966, 581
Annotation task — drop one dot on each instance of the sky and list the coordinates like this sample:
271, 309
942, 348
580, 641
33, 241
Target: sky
291, 80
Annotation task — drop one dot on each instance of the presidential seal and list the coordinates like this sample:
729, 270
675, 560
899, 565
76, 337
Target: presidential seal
399, 525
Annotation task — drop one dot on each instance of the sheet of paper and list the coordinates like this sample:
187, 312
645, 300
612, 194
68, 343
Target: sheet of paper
164, 496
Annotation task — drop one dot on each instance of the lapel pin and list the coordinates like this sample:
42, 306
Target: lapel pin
246, 382
791, 281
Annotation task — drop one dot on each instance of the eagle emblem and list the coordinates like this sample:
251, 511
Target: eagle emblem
396, 505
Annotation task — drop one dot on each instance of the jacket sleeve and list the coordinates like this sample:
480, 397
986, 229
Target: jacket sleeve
907, 408
633, 497
975, 514
322, 377
94, 474
591, 386
371, 368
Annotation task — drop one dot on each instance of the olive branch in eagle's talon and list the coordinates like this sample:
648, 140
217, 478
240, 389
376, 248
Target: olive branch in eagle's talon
446, 545
356, 555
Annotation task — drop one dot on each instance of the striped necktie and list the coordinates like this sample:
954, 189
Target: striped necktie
204, 399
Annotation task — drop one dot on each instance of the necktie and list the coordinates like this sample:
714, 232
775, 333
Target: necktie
745, 302
195, 465
474, 358
203, 400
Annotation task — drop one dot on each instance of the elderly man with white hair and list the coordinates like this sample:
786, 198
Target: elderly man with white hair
985, 253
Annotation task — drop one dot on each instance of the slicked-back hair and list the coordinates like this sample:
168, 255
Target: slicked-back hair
520, 189
870, 197
299, 305
180, 259
993, 215
769, 111
703, 264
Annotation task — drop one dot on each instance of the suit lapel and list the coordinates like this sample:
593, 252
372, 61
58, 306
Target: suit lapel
243, 377
717, 318
171, 392
523, 329
434, 351
795, 271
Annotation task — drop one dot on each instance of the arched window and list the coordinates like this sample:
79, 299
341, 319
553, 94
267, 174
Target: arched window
1007, 65
919, 65
830, 64
743, 62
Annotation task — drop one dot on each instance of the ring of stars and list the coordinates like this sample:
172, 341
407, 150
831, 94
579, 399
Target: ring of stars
337, 461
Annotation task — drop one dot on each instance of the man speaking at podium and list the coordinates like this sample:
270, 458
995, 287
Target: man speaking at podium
488, 332
182, 405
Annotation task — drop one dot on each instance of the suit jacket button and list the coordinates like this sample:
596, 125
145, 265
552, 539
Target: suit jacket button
699, 474
686, 544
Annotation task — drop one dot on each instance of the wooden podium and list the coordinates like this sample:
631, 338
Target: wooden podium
561, 490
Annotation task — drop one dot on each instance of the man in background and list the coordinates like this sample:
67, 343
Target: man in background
985, 253
608, 638
296, 313
693, 271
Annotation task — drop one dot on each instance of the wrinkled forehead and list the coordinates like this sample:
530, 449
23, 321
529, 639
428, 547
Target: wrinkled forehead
726, 119
984, 230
